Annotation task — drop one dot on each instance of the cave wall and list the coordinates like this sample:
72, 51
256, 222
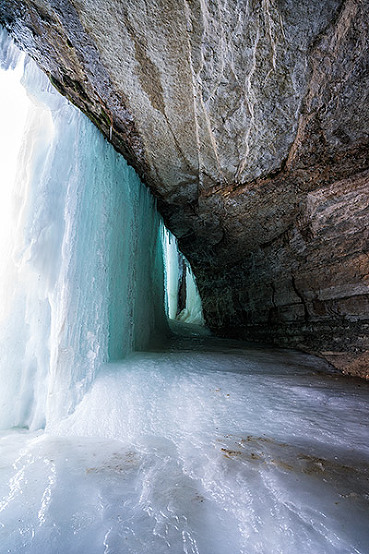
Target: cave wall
249, 121
308, 287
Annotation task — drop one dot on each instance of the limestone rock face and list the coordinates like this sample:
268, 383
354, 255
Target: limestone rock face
249, 120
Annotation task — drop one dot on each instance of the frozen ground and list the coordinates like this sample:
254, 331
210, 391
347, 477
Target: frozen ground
202, 448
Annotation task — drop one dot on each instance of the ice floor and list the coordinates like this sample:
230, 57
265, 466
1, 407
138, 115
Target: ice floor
202, 448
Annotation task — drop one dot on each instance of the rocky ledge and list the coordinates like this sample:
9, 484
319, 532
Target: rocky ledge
249, 121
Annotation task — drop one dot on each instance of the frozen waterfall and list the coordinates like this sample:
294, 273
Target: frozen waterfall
82, 267
183, 302
200, 446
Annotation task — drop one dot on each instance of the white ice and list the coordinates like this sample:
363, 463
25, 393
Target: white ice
210, 451
192, 312
81, 279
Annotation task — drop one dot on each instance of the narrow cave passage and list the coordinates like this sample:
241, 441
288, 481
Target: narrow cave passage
201, 446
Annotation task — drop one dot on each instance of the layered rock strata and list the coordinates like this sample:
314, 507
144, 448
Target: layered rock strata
249, 121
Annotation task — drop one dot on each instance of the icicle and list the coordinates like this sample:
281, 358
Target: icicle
179, 278
82, 253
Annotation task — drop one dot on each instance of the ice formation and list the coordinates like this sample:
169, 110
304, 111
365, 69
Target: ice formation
83, 270
178, 274
200, 447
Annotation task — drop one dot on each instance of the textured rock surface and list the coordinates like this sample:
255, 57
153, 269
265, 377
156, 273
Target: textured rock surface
249, 120
308, 286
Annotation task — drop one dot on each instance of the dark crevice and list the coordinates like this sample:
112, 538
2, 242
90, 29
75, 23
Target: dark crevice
301, 297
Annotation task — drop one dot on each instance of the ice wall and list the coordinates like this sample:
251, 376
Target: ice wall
82, 273
178, 273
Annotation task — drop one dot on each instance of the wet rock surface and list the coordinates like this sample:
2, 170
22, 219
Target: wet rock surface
249, 121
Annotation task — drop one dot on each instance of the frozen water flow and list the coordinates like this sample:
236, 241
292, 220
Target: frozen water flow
82, 277
180, 285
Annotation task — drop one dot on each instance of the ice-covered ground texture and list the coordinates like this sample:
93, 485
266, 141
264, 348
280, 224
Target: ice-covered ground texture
209, 451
